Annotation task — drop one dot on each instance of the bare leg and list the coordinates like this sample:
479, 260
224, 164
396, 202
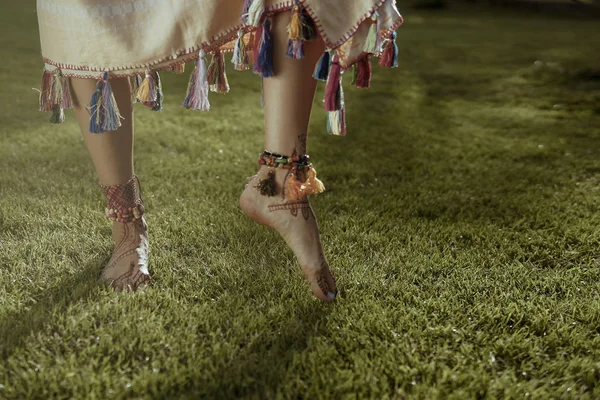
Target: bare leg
112, 155
288, 102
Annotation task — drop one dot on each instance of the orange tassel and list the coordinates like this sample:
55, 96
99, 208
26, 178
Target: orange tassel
313, 184
297, 189
293, 187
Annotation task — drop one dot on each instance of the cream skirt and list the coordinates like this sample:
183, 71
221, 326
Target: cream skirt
102, 39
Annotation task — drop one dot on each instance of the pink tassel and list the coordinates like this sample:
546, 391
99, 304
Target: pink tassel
389, 56
197, 93
363, 73
334, 86
45, 91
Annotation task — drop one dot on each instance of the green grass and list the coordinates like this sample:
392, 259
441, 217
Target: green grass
461, 219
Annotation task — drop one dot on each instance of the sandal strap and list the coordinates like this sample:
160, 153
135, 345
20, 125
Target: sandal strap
123, 201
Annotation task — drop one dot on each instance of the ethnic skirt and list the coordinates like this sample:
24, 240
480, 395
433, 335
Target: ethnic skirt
139, 39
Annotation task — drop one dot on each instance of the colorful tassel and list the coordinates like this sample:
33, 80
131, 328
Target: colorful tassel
267, 186
295, 25
253, 16
298, 31
301, 183
136, 82
178, 68
146, 93
334, 100
245, 9
336, 122
55, 96
363, 72
333, 90
240, 55
157, 105
309, 28
197, 92
150, 92
295, 49
58, 114
263, 64
371, 42
389, 57
59, 92
45, 104
322, 69
217, 79
103, 108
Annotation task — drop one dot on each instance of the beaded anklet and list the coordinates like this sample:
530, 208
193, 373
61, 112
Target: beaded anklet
124, 203
301, 181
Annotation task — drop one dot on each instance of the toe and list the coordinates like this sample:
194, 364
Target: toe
321, 288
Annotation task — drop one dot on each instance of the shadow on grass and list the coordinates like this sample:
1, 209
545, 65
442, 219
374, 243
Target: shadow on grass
16, 327
266, 363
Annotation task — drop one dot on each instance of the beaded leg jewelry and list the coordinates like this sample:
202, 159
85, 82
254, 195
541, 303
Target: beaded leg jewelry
301, 181
128, 267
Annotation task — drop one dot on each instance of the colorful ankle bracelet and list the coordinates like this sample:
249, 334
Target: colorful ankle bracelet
301, 181
124, 203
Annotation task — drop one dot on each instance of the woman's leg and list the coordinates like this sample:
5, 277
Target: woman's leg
112, 155
288, 98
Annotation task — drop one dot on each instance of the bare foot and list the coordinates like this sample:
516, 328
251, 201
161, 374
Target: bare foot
296, 222
128, 266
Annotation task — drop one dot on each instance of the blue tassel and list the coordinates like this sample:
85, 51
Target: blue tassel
157, 106
265, 55
295, 49
322, 69
395, 58
103, 108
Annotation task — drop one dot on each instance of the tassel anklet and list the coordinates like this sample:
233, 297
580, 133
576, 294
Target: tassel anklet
301, 181
124, 202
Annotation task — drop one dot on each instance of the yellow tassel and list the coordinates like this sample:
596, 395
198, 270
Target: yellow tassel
178, 69
295, 26
144, 91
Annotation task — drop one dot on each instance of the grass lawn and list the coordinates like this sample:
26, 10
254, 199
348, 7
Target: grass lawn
461, 218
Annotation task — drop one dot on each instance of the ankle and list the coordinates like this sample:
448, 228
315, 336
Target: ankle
290, 177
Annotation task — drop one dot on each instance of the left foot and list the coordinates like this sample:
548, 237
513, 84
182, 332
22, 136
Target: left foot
128, 267
296, 222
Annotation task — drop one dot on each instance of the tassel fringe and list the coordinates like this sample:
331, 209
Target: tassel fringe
389, 57
371, 42
55, 96
363, 73
263, 64
268, 186
150, 92
240, 59
217, 79
103, 108
197, 92
322, 69
256, 9
300, 184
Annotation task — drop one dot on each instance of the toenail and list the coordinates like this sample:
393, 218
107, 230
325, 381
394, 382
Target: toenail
331, 295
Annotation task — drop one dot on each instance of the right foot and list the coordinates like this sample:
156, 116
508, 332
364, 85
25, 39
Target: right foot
296, 222
128, 266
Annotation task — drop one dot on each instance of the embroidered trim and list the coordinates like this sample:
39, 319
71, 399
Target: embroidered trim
213, 44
